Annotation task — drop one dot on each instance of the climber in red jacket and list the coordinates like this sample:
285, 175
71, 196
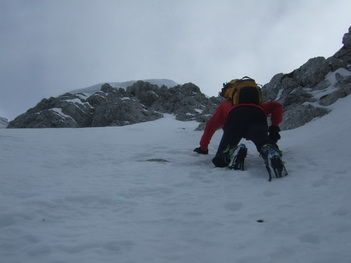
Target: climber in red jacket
247, 119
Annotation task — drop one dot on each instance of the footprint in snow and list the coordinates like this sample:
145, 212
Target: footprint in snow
233, 206
158, 160
310, 238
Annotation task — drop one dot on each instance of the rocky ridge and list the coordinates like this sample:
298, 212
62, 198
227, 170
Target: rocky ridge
112, 106
306, 93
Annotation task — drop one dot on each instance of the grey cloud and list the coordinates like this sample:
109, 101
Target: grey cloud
49, 47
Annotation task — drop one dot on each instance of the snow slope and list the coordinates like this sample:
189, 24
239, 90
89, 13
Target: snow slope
105, 195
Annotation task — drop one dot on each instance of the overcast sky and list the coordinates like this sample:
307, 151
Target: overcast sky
49, 47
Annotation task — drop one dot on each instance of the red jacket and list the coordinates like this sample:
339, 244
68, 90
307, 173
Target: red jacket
219, 118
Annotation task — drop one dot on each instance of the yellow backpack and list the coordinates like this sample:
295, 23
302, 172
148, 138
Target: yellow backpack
243, 90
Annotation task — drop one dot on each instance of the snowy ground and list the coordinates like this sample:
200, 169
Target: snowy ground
91, 195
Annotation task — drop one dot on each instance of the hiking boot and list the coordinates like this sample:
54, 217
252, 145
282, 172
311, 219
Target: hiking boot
236, 156
272, 158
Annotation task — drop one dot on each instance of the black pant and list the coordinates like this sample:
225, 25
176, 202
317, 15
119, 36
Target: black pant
243, 122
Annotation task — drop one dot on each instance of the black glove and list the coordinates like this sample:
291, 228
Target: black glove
274, 133
199, 151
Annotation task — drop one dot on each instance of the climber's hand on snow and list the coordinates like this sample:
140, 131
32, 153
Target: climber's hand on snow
274, 133
199, 151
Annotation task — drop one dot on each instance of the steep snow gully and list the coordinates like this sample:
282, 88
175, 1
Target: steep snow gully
139, 194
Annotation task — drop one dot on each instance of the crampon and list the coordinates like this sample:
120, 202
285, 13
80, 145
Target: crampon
274, 164
237, 157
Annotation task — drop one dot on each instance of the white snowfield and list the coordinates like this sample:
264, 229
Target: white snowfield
139, 194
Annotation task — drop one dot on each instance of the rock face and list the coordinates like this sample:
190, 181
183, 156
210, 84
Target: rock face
307, 92
111, 106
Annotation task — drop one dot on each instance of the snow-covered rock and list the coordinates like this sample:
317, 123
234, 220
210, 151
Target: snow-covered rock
307, 92
95, 88
111, 106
